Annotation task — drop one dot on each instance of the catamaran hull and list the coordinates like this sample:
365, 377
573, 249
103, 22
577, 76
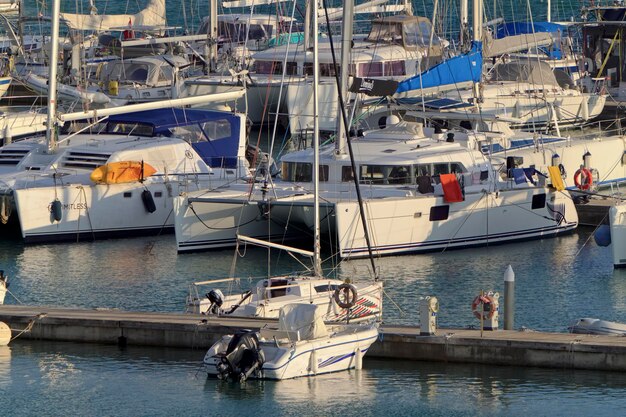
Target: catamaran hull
214, 223
422, 224
94, 211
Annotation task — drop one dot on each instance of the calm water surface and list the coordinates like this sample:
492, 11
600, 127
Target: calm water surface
557, 281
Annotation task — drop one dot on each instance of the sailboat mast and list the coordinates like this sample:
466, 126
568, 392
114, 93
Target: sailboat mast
212, 33
52, 80
317, 263
346, 49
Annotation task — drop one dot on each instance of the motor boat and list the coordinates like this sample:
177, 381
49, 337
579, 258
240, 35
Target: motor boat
301, 345
597, 326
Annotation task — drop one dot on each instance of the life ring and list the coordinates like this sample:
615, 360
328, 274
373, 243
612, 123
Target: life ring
583, 179
346, 296
483, 300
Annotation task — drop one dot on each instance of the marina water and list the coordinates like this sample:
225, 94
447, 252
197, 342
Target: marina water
557, 281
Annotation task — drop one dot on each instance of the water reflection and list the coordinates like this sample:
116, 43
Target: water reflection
5, 366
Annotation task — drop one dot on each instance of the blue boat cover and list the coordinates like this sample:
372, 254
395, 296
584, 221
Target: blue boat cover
459, 69
216, 152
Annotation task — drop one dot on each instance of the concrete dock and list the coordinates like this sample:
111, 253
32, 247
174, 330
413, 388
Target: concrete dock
503, 347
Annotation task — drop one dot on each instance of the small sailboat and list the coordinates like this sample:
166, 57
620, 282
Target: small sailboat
302, 344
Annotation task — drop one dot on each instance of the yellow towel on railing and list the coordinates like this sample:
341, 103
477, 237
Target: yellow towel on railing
555, 177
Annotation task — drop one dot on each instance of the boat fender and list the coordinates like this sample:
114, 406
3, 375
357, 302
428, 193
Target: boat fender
485, 300
5, 334
55, 210
148, 201
583, 179
602, 235
346, 296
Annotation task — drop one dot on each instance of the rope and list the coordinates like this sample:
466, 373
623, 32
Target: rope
29, 326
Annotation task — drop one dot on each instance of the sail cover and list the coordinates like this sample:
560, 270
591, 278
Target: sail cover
453, 71
153, 15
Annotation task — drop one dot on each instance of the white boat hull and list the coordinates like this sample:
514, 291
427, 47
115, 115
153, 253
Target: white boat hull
617, 222
94, 210
406, 225
286, 360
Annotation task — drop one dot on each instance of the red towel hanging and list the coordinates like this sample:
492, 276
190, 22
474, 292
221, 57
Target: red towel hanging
451, 188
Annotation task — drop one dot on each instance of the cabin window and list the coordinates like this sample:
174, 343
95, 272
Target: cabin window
292, 68
212, 130
303, 172
347, 174
386, 174
539, 201
258, 32
370, 69
268, 67
438, 213
395, 68
435, 170
328, 70
384, 32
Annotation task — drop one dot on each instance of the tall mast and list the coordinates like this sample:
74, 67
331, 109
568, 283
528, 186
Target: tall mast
52, 80
317, 263
212, 35
346, 49
464, 21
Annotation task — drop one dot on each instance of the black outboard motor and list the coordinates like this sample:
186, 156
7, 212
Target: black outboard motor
242, 357
216, 297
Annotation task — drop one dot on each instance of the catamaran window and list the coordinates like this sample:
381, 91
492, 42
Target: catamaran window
258, 32
412, 36
347, 174
302, 172
441, 168
386, 174
370, 69
268, 67
395, 68
217, 129
328, 70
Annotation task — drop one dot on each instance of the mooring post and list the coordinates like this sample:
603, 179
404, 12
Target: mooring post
509, 298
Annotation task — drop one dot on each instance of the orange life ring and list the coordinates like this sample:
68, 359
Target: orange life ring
480, 300
583, 179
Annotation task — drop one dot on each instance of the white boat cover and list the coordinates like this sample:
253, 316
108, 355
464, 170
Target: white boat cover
515, 43
153, 15
527, 71
304, 318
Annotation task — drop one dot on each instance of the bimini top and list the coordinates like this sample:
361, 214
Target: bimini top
215, 135
162, 121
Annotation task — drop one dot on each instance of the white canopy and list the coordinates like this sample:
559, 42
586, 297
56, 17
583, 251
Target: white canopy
153, 16
304, 318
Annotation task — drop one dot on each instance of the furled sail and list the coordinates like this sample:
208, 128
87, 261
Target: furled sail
453, 72
153, 15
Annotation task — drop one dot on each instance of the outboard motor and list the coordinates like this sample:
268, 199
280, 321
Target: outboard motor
216, 297
242, 357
